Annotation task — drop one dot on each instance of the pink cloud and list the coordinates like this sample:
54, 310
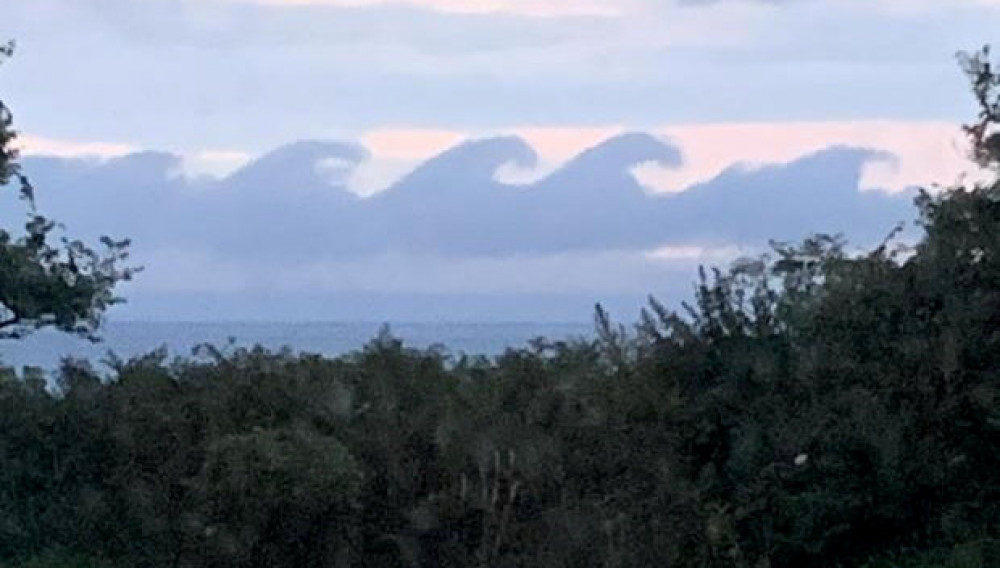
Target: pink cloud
926, 152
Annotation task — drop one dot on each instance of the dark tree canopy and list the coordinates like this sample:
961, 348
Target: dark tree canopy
47, 279
985, 82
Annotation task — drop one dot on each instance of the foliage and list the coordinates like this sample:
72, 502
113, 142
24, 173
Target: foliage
66, 285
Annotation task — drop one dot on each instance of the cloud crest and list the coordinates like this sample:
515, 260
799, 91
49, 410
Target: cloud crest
287, 225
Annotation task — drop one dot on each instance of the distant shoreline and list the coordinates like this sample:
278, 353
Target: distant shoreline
131, 338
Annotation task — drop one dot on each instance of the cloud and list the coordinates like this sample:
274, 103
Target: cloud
296, 203
924, 7
398, 151
173, 270
180, 271
42, 146
555, 145
218, 163
281, 226
909, 7
924, 152
699, 253
313, 70
530, 8
713, 2
559, 273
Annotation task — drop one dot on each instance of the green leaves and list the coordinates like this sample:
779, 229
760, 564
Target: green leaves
985, 83
268, 491
66, 285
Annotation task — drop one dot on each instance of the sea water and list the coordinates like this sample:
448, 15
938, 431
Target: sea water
47, 348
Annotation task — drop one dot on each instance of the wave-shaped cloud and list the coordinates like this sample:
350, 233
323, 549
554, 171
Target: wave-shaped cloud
295, 202
288, 228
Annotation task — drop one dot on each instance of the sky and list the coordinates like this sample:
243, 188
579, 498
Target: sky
736, 96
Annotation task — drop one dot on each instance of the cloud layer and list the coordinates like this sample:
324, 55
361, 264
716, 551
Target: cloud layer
487, 147
295, 202
529, 8
230, 74
287, 222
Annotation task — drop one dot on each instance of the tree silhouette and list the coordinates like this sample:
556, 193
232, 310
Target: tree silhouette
64, 284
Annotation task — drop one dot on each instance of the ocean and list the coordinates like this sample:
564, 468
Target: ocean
47, 348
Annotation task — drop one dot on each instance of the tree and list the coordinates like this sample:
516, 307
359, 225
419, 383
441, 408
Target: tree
64, 284
985, 82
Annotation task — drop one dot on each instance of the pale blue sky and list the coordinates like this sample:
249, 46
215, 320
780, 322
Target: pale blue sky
198, 74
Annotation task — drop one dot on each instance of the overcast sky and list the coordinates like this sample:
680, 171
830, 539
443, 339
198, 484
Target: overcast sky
246, 75
220, 82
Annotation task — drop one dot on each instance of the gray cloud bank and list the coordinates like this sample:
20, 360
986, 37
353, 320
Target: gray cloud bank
286, 227
286, 205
